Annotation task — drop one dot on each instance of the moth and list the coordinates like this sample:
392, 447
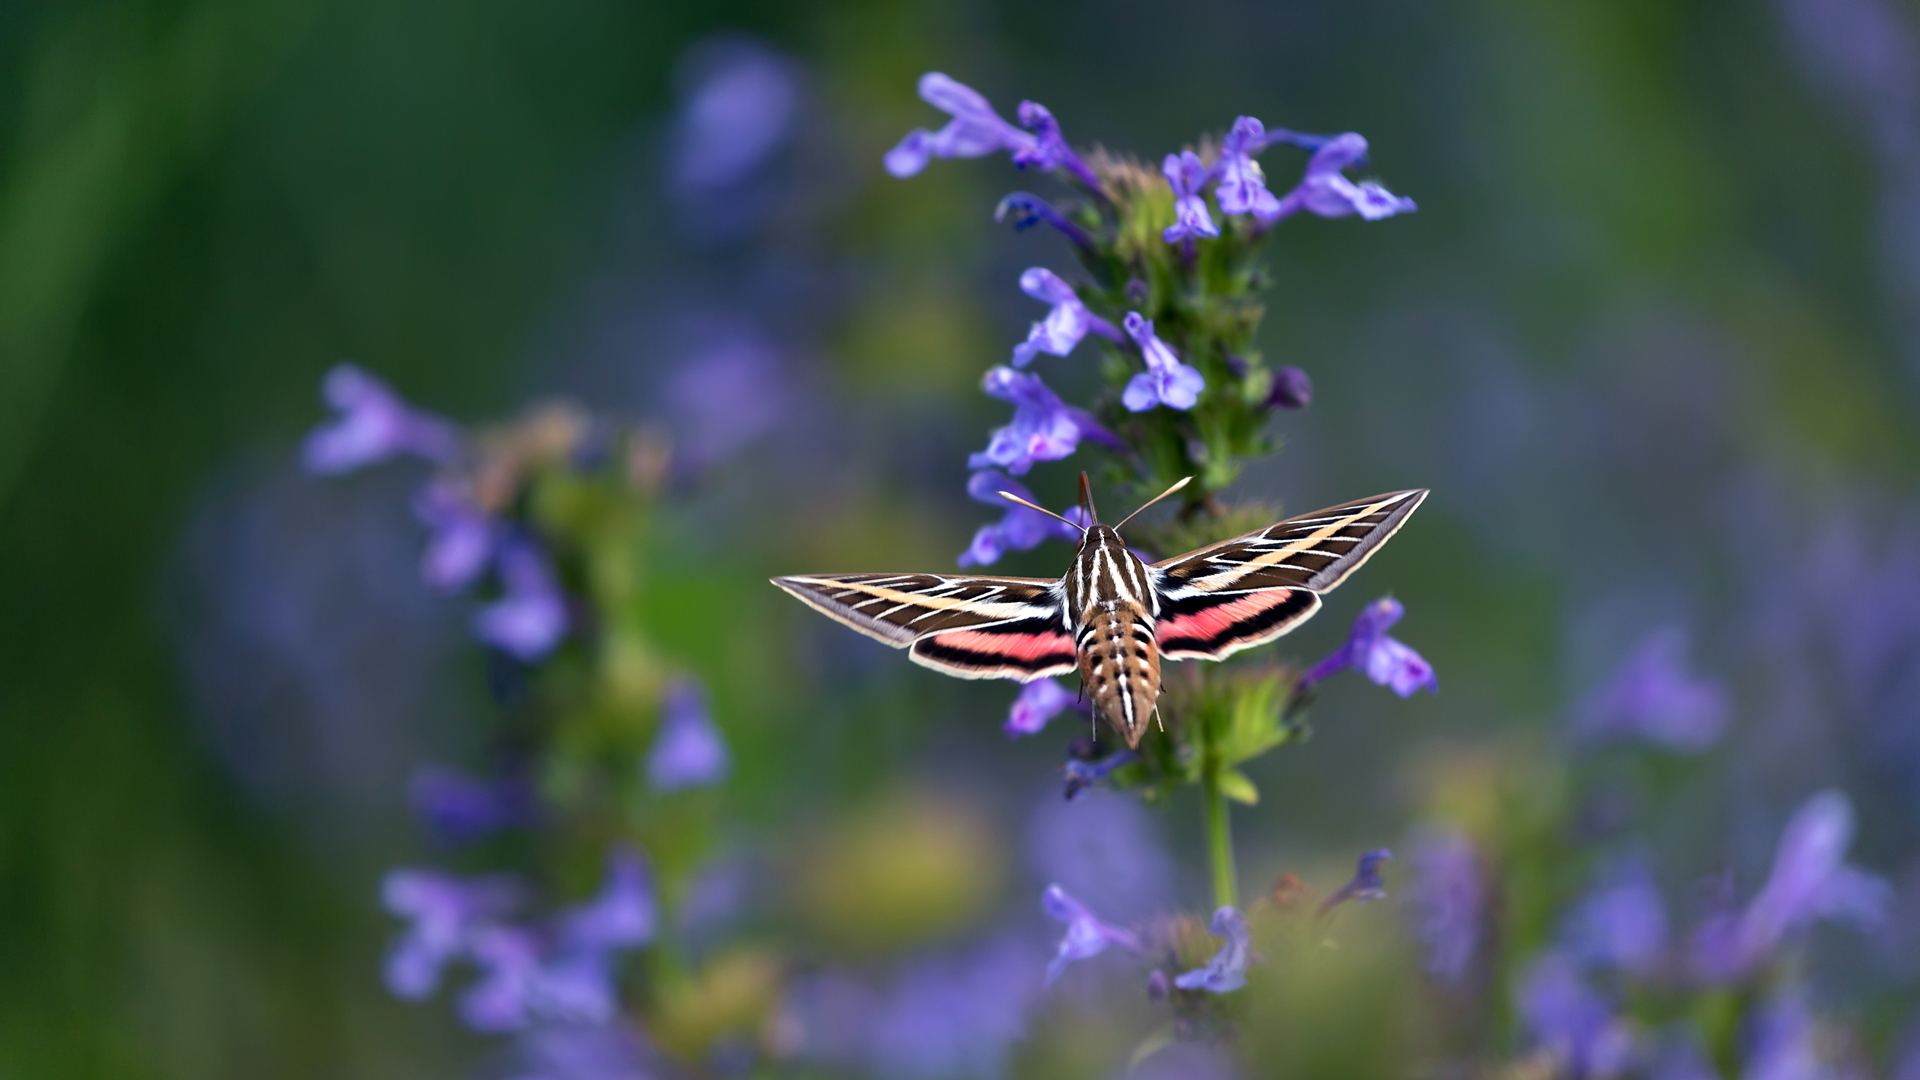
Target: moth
1113, 617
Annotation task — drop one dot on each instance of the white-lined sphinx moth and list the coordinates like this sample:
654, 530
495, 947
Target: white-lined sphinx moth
1112, 616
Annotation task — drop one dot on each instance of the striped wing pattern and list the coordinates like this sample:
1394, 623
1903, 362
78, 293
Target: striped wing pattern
965, 625
1251, 589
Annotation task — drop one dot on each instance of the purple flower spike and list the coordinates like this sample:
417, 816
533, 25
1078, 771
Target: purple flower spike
621, 916
1166, 381
1064, 326
1810, 882
1050, 150
1044, 428
689, 750
530, 617
1242, 187
1086, 935
1385, 661
1653, 698
975, 130
1623, 923
446, 912
1446, 900
1187, 176
1571, 1022
1366, 885
1040, 701
1027, 210
462, 536
1020, 529
1326, 192
373, 425
1227, 971
460, 808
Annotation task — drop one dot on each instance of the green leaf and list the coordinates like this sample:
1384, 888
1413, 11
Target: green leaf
1235, 785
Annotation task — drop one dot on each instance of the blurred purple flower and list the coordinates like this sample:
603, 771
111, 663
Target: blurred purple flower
1227, 971
1166, 381
1019, 529
461, 536
1292, 389
1039, 701
579, 1052
459, 807
689, 750
1782, 1043
1083, 774
1242, 187
1366, 885
1680, 1058
1571, 1022
446, 913
1326, 192
1044, 428
1652, 697
948, 1017
1050, 150
1383, 660
1106, 850
1446, 901
1621, 924
620, 916
373, 425
520, 984
732, 119
1810, 882
1027, 210
1064, 326
530, 617
1187, 176
727, 394
1086, 935
975, 130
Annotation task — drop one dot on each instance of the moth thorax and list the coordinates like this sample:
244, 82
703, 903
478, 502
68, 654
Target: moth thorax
1120, 667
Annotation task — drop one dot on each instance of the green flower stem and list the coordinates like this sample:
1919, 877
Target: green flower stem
1226, 885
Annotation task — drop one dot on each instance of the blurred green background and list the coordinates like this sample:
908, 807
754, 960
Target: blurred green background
1651, 333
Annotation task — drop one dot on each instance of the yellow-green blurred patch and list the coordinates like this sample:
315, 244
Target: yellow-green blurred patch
733, 996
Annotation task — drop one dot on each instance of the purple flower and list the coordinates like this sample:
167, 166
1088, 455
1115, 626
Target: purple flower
1653, 698
1446, 899
741, 110
461, 535
975, 130
1385, 661
373, 425
1050, 150
1027, 210
1292, 389
446, 912
1064, 326
953, 1016
1571, 1022
1621, 924
579, 1052
1366, 885
1019, 529
1783, 1043
1242, 187
1082, 774
460, 808
1325, 191
1107, 850
727, 394
1810, 881
1039, 701
1186, 176
1227, 971
1086, 935
530, 617
1166, 381
520, 983
689, 750
1044, 428
620, 916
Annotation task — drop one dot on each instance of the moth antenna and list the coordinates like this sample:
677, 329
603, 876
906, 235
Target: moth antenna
1086, 499
1156, 717
1042, 509
1123, 521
